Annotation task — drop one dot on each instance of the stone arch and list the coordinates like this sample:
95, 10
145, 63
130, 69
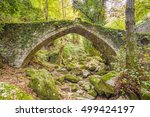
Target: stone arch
105, 46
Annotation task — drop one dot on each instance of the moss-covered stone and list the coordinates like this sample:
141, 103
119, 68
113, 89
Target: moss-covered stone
74, 87
11, 92
43, 84
109, 75
103, 88
92, 92
87, 86
101, 71
61, 79
94, 79
71, 78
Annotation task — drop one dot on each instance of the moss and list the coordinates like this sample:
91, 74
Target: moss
71, 78
43, 84
42, 55
11, 92
94, 80
71, 66
103, 88
61, 79
109, 75
74, 87
89, 49
101, 71
86, 86
92, 92
53, 57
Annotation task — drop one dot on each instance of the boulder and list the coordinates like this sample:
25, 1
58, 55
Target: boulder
43, 84
71, 78
101, 87
92, 92
11, 92
85, 73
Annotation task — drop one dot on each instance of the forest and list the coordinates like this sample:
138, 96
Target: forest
74, 49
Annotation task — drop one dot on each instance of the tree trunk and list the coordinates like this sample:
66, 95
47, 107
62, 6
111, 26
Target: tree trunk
46, 10
131, 53
63, 9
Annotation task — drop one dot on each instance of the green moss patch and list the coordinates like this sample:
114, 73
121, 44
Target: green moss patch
11, 92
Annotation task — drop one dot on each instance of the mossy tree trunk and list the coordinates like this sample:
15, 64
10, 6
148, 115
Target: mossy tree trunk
131, 49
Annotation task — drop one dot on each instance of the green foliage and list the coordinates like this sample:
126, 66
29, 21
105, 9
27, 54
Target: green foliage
18, 11
10, 92
142, 10
91, 10
116, 24
89, 49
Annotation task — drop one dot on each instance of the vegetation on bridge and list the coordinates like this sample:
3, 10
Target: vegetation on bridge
72, 66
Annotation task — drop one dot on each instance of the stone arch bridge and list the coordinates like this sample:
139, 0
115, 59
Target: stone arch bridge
20, 41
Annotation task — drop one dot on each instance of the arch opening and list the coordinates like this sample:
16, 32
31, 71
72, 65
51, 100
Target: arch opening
101, 44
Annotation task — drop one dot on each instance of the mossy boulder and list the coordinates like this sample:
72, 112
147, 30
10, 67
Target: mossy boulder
87, 86
71, 78
92, 92
101, 87
11, 92
43, 84
94, 79
109, 75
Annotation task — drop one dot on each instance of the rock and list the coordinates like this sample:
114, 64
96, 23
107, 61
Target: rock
71, 78
109, 75
112, 81
104, 88
94, 79
92, 92
81, 92
86, 87
70, 66
101, 86
92, 68
85, 73
63, 70
80, 83
74, 87
43, 84
11, 92
101, 71
145, 95
61, 79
